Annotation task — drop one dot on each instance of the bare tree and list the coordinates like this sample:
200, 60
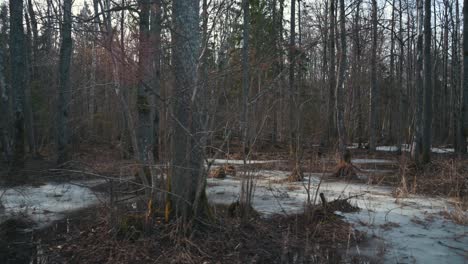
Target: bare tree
331, 72
245, 74
464, 113
427, 123
417, 137
188, 199
156, 21
145, 131
63, 131
17, 73
374, 93
340, 87
5, 126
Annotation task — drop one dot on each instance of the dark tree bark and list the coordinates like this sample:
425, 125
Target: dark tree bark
5, 125
245, 74
156, 21
340, 87
402, 96
144, 101
188, 199
17, 80
464, 113
417, 137
331, 73
374, 94
28, 79
427, 123
64, 93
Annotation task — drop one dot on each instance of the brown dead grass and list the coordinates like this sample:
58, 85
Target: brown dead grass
280, 239
446, 176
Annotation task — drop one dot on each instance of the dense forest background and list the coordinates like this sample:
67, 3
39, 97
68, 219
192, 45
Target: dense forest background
176, 81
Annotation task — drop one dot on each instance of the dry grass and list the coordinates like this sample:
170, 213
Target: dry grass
281, 239
443, 176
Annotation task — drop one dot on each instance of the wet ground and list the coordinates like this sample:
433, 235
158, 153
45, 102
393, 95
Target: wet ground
414, 229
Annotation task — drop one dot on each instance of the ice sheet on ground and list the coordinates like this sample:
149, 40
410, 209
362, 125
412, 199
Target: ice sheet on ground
411, 230
407, 148
239, 162
372, 161
47, 203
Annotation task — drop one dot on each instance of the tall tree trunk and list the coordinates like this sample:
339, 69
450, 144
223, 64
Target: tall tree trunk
5, 126
340, 87
464, 113
187, 179
29, 78
292, 86
374, 93
456, 85
276, 70
427, 123
401, 120
417, 137
331, 74
35, 34
445, 124
245, 74
357, 67
323, 89
17, 73
156, 21
63, 131
393, 93
144, 100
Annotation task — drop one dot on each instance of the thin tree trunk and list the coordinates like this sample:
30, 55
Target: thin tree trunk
156, 21
401, 120
464, 113
417, 138
29, 78
331, 74
374, 94
17, 73
63, 131
445, 91
292, 87
340, 87
144, 100
5, 130
245, 74
427, 123
323, 89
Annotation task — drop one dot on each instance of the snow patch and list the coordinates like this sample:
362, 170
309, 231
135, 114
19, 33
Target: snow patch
47, 203
409, 230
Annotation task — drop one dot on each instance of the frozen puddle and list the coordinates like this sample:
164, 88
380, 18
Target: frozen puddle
239, 162
410, 230
47, 203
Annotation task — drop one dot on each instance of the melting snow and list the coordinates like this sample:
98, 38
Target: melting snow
47, 203
410, 230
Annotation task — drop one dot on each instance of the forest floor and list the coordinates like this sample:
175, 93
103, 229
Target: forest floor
407, 214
